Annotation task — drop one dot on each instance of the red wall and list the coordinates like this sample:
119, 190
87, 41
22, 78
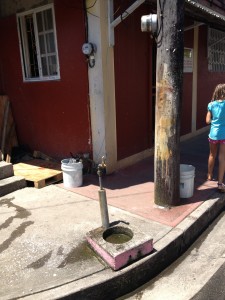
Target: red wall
206, 80
51, 116
205, 85
133, 85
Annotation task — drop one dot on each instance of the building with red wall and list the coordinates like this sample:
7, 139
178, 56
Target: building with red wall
104, 109
50, 115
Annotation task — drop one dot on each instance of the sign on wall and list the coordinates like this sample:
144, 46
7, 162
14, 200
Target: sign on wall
188, 60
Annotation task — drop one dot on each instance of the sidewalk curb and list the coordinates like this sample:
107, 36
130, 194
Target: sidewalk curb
108, 285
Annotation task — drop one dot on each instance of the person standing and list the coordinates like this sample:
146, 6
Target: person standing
216, 118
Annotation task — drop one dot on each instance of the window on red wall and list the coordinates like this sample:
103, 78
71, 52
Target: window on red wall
216, 50
38, 46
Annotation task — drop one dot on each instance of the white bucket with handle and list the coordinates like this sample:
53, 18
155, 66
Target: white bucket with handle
72, 172
187, 175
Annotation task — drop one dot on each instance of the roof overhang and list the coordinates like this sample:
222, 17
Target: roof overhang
203, 14
193, 10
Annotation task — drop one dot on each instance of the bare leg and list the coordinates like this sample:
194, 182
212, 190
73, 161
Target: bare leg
211, 161
221, 167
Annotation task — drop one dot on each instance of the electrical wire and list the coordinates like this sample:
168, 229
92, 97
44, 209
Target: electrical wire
121, 16
92, 5
116, 10
160, 21
93, 14
85, 21
90, 60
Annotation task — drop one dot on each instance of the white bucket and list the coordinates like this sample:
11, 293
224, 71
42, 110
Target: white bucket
187, 174
72, 173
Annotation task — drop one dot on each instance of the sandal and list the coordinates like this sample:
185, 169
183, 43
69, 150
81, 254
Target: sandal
221, 188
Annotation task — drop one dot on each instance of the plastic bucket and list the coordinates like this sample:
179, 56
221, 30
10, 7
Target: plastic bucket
187, 174
72, 173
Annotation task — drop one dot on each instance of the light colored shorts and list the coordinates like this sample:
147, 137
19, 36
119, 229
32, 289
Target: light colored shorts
216, 141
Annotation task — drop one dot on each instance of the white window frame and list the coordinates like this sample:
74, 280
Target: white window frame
216, 50
24, 50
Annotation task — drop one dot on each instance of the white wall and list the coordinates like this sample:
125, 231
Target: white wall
101, 87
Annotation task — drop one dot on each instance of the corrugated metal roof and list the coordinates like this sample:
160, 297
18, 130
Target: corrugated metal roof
201, 13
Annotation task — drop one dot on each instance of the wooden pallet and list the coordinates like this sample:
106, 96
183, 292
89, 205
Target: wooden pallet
39, 172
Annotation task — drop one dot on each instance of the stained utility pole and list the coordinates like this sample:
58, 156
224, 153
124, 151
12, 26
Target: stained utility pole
169, 82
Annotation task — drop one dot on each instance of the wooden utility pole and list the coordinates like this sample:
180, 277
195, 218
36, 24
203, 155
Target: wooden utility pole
169, 81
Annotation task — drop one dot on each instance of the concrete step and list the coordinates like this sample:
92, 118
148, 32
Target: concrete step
11, 184
6, 170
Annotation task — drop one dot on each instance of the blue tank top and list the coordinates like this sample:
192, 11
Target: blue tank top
217, 129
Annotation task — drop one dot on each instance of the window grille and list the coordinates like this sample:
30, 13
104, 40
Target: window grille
38, 45
216, 50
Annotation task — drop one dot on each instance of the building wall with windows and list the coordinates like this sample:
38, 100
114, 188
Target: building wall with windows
38, 44
198, 84
207, 78
49, 96
210, 70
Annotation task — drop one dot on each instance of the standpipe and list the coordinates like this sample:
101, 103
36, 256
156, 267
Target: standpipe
102, 195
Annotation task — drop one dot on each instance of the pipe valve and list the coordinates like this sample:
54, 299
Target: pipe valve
101, 167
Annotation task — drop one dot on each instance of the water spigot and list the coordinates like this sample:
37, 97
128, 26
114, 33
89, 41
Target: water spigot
101, 171
101, 167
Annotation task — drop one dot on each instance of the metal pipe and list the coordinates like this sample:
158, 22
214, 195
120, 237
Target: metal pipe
103, 208
100, 183
102, 196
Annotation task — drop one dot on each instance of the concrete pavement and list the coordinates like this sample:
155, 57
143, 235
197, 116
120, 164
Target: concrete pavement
43, 248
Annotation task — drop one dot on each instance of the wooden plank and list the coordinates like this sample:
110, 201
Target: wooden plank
39, 172
3, 100
42, 183
3, 104
8, 137
41, 155
4, 126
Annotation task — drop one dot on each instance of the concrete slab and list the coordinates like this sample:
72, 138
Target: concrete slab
128, 245
43, 239
43, 249
6, 169
11, 184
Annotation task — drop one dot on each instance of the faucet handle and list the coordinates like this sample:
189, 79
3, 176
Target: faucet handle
103, 162
101, 167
